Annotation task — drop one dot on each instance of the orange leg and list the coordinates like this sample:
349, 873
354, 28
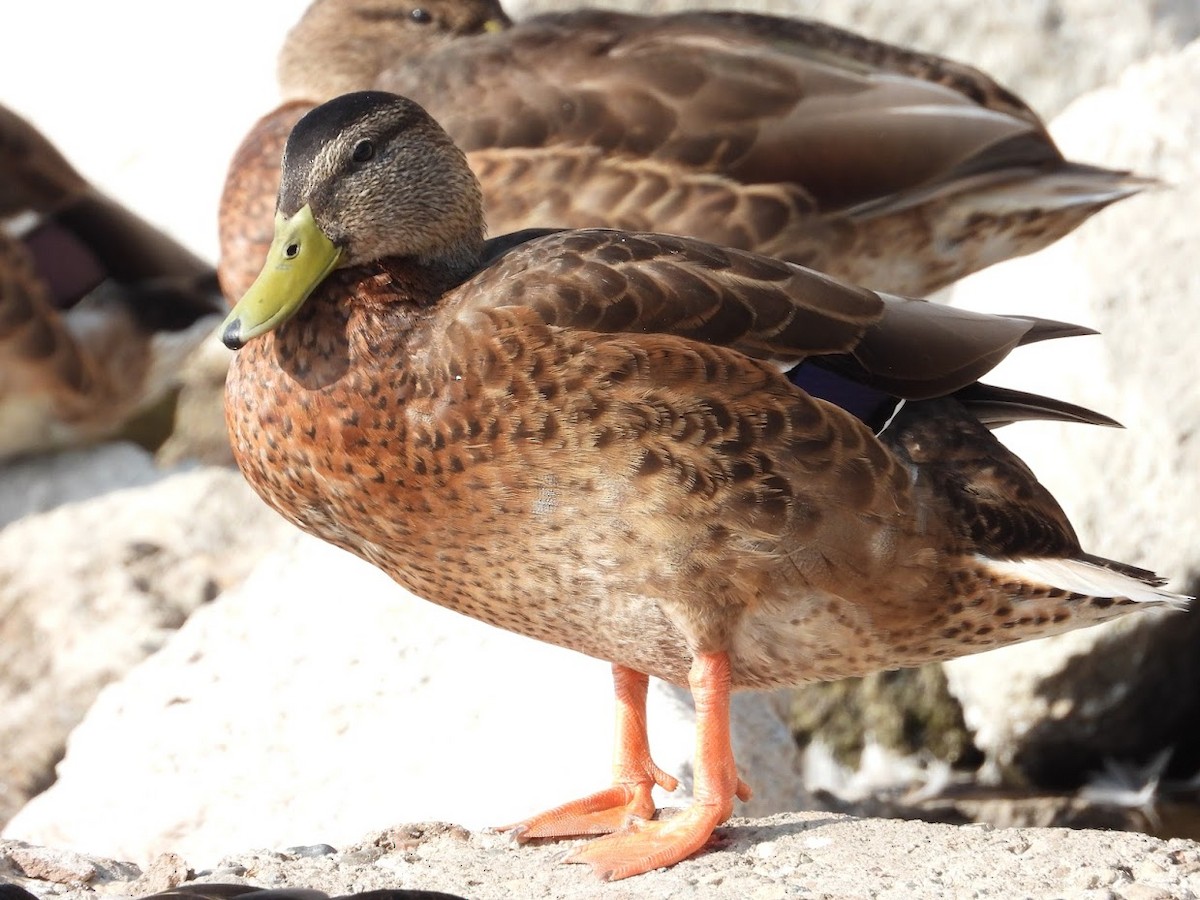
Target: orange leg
645, 845
634, 775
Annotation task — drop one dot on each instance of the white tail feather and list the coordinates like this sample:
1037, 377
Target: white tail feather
1082, 577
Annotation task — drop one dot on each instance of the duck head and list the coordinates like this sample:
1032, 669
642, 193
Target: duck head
366, 176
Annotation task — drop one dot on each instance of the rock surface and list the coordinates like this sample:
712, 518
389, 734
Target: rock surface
821, 856
90, 588
37, 484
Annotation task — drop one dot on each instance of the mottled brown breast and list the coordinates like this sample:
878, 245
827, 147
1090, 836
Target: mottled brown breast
627, 497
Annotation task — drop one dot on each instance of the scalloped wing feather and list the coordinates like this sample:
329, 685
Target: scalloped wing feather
608, 281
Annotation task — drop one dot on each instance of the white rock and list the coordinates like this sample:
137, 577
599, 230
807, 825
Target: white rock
39, 483
91, 588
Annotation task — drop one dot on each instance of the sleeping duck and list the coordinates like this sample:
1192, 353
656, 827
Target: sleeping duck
897, 170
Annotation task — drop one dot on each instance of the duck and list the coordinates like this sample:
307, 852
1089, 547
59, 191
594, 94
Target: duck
885, 167
98, 308
699, 464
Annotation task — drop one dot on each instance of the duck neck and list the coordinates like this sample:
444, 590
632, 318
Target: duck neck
450, 267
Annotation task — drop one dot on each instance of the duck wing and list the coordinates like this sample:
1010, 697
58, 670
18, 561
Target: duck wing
776, 312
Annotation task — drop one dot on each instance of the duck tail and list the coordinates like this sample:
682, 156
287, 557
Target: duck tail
1075, 184
995, 406
1093, 576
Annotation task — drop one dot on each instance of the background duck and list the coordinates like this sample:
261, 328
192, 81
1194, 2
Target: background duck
703, 465
98, 309
885, 167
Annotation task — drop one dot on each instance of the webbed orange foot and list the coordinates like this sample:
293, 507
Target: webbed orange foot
599, 813
634, 775
642, 846
632, 843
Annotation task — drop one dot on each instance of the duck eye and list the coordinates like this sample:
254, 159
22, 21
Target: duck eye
291, 251
363, 151
421, 16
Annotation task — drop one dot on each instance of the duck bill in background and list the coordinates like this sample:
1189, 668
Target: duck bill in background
299, 259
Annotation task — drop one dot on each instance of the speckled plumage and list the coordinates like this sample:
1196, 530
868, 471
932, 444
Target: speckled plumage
97, 308
596, 438
882, 166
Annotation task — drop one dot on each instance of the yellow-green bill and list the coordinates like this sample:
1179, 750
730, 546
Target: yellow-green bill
299, 259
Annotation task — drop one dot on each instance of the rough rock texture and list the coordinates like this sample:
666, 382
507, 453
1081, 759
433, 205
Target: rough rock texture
325, 699
906, 711
821, 856
1055, 709
90, 588
39, 483
1048, 51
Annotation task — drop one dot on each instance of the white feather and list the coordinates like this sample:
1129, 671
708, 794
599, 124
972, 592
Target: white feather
19, 225
1082, 577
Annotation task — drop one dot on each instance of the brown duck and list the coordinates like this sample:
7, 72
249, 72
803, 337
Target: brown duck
704, 465
898, 170
98, 309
